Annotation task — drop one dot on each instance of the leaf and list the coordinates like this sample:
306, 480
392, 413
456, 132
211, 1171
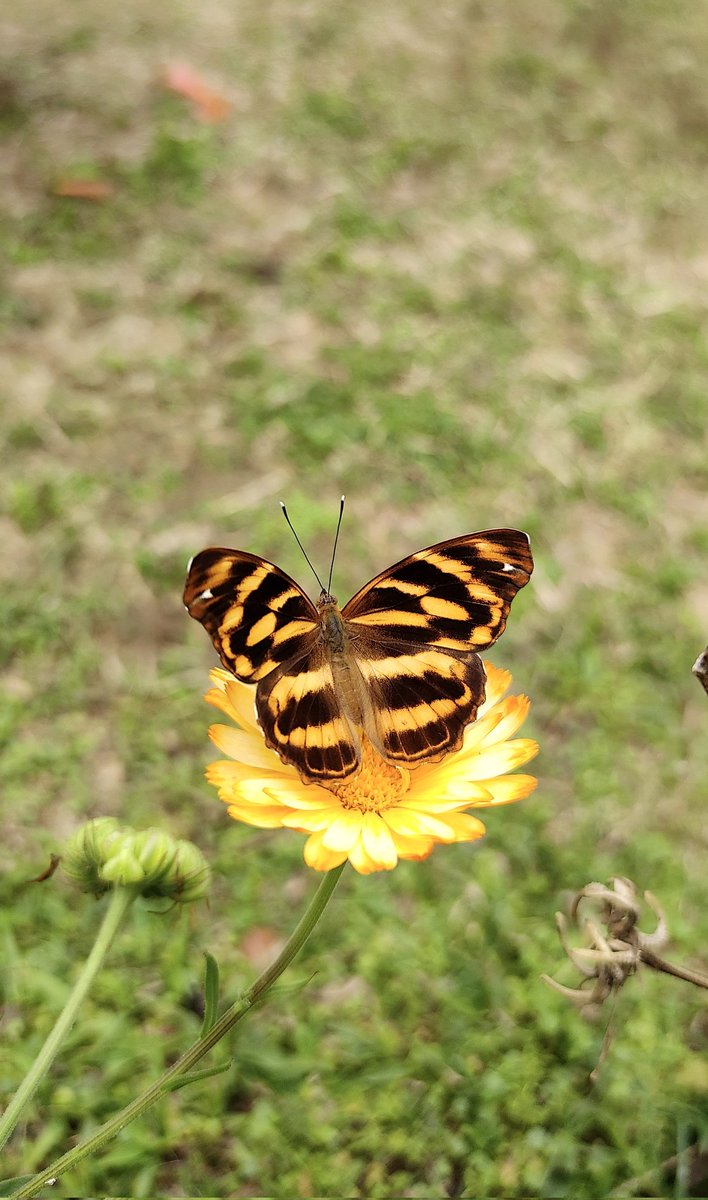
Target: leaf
211, 993
8, 1186
95, 190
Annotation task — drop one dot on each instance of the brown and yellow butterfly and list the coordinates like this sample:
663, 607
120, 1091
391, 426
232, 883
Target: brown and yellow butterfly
399, 662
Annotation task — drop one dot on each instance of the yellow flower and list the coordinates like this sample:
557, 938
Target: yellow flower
382, 813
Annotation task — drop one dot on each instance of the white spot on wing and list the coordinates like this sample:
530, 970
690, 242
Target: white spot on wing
508, 567
207, 594
189, 564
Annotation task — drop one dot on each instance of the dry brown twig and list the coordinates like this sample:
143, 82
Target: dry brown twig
700, 669
615, 953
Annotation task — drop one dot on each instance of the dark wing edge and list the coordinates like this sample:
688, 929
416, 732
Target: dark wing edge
255, 614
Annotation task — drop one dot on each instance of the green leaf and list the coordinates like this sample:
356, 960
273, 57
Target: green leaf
211, 993
8, 1186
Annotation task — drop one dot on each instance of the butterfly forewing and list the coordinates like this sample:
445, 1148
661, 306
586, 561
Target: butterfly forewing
256, 616
456, 594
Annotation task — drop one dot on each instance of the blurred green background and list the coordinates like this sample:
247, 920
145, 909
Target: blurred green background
450, 259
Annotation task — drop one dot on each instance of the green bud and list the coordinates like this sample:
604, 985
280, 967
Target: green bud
87, 851
103, 854
123, 867
155, 851
191, 873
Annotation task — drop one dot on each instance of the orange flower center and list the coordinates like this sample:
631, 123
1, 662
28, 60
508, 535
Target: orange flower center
376, 786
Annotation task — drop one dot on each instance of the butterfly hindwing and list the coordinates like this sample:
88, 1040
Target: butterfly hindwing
421, 698
255, 614
302, 719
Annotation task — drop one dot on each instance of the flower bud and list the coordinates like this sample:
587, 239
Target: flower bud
86, 852
103, 854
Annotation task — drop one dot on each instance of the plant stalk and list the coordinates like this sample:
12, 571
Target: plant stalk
198, 1049
120, 902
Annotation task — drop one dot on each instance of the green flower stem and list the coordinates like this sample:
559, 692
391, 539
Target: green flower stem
198, 1049
121, 900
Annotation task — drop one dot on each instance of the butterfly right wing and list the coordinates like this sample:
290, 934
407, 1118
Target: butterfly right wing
256, 615
416, 630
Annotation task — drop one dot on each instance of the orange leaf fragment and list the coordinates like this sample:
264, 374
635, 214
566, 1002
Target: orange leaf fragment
209, 105
83, 189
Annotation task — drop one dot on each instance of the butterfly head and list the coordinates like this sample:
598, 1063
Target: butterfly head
326, 598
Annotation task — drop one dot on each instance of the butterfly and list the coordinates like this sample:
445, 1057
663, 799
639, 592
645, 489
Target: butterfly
399, 663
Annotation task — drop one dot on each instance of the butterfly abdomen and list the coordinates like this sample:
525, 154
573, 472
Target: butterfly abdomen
348, 682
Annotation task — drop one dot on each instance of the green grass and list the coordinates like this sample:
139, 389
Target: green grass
451, 263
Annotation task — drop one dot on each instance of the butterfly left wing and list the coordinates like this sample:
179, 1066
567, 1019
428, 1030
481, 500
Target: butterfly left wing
303, 721
256, 615
415, 631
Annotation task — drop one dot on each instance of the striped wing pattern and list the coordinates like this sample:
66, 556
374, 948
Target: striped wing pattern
256, 616
302, 718
266, 631
413, 635
415, 631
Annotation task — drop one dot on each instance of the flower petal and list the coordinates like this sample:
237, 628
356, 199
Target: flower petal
319, 857
410, 847
361, 861
508, 788
513, 711
227, 775
235, 699
465, 827
479, 730
292, 793
264, 818
410, 823
377, 842
216, 696
244, 747
242, 697
308, 822
343, 831
500, 759
452, 793
498, 684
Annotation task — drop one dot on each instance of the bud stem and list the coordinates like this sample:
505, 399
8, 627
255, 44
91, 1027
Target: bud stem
198, 1049
120, 901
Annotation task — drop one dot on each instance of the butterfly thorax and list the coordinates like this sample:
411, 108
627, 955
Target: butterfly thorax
334, 634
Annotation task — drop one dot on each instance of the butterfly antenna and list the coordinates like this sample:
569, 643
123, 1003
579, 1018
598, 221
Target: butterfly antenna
334, 548
287, 518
